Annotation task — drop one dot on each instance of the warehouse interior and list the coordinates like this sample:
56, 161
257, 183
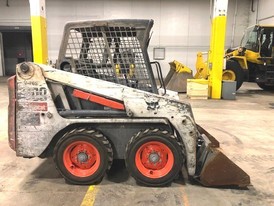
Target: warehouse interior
184, 130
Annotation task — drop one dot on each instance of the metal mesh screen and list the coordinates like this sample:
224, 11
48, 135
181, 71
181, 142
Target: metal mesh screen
109, 53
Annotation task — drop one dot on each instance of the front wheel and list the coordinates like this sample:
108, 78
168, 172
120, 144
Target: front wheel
234, 72
82, 156
154, 157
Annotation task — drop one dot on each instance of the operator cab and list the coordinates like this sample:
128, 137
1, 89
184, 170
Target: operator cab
266, 39
250, 39
259, 39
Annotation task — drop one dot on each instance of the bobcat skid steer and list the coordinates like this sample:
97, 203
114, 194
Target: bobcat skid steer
85, 122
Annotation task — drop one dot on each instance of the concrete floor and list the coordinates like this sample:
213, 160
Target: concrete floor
244, 127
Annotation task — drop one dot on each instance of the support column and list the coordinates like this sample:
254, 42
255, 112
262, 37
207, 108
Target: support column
39, 31
217, 46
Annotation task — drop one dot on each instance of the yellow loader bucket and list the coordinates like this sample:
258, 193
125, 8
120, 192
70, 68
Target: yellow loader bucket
176, 79
214, 168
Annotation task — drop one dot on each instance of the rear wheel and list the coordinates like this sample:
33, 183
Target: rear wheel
234, 72
82, 156
154, 157
265, 87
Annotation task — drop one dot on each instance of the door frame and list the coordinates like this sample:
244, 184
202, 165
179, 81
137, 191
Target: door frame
8, 29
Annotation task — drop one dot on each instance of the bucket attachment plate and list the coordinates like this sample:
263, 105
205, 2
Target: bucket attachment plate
214, 168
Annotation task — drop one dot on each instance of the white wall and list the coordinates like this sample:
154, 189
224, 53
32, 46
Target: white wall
181, 26
263, 14
16, 14
237, 21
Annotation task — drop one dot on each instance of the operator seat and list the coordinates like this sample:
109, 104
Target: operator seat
265, 48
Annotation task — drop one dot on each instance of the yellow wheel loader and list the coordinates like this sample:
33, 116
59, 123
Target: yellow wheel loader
102, 104
254, 60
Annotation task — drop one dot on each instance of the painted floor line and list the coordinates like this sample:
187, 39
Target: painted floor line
89, 198
184, 196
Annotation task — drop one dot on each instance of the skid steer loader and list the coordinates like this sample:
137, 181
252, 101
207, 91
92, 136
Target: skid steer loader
85, 122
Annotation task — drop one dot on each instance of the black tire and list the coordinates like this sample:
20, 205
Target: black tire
170, 170
83, 143
265, 87
235, 67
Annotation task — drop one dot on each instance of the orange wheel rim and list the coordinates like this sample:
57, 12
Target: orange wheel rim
154, 159
81, 159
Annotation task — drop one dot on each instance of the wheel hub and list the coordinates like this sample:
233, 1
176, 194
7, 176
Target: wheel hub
154, 157
82, 157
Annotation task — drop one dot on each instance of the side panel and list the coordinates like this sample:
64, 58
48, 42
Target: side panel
37, 120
